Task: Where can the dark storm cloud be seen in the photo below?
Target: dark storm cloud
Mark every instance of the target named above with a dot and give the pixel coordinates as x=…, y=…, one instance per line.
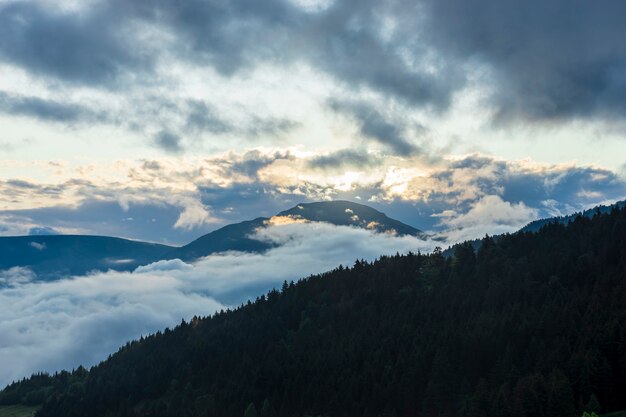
x=551, y=60
x=547, y=61
x=375, y=126
x=102, y=44
x=48, y=110
x=85, y=48
x=344, y=40
x=343, y=158
x=348, y=41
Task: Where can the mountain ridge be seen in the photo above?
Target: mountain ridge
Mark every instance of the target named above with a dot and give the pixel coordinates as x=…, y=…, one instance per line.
x=54, y=256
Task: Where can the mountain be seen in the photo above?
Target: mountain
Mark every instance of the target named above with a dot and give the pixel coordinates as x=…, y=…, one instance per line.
x=340, y=213
x=538, y=224
x=234, y=237
x=346, y=213
x=530, y=324
x=55, y=256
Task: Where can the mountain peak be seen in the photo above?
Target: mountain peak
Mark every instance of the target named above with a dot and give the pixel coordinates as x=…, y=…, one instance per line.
x=348, y=213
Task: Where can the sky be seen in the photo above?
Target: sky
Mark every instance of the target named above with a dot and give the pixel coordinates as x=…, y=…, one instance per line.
x=165, y=120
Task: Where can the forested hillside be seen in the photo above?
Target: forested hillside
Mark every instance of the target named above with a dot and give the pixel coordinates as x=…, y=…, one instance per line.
x=531, y=325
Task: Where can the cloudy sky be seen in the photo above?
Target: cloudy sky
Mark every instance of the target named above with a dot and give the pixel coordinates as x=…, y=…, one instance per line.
x=162, y=120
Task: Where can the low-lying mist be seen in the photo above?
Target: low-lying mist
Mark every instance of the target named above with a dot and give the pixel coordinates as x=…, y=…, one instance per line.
x=49, y=326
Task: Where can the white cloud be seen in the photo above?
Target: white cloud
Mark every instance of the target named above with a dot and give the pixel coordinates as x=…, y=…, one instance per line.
x=47, y=326
x=15, y=276
x=37, y=245
x=490, y=215
x=194, y=214
x=193, y=195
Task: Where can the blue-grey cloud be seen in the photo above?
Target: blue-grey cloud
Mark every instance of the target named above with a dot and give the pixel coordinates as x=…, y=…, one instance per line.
x=373, y=125
x=49, y=110
x=169, y=141
x=344, y=158
x=549, y=61
x=554, y=62
x=86, y=48
x=202, y=117
x=100, y=44
x=252, y=162
x=42, y=231
x=269, y=126
x=237, y=190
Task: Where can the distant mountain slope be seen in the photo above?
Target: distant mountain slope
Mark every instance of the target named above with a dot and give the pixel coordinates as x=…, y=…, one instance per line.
x=60, y=255
x=533, y=324
x=234, y=237
x=538, y=224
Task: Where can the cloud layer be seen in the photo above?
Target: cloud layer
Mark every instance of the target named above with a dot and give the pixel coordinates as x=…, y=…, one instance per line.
x=418, y=52
x=193, y=77
x=175, y=201
x=61, y=324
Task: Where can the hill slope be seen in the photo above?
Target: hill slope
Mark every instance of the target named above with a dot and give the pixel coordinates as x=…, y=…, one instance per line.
x=533, y=324
x=60, y=255
x=538, y=224
x=234, y=237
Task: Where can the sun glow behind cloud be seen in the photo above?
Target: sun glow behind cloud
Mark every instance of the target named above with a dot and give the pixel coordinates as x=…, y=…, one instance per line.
x=204, y=191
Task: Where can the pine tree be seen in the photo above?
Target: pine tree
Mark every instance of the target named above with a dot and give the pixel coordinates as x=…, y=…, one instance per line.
x=250, y=411
x=267, y=410
x=593, y=406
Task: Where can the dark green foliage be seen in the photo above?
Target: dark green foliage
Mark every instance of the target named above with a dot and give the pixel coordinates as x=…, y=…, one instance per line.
x=593, y=406
x=267, y=410
x=532, y=324
x=17, y=410
x=250, y=411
